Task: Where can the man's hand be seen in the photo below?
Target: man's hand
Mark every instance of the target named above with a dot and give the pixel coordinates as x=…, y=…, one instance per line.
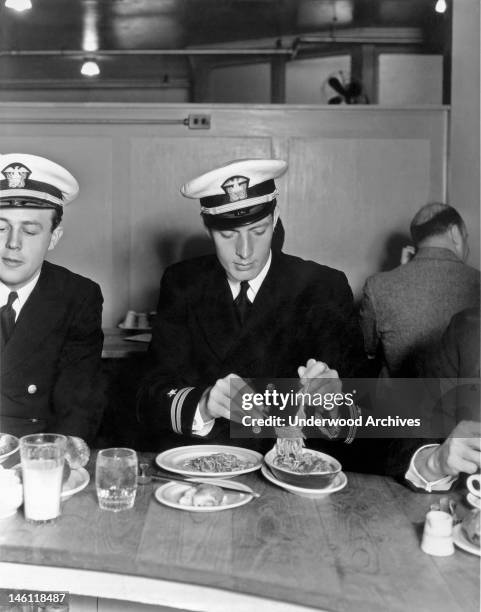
x=407, y=253
x=317, y=377
x=224, y=400
x=460, y=452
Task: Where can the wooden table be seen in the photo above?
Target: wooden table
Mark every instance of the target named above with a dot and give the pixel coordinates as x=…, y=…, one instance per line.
x=358, y=549
x=117, y=347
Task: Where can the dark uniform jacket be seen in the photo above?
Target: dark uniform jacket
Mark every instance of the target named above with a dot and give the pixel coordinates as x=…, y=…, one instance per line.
x=50, y=366
x=451, y=368
x=302, y=310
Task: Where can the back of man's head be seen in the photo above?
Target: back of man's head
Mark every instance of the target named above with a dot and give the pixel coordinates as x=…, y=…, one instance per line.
x=431, y=223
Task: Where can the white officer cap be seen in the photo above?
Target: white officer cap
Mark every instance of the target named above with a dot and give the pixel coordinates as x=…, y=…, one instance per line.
x=31, y=181
x=240, y=192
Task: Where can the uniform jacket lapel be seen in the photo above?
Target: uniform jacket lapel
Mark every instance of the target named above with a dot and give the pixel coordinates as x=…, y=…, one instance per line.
x=37, y=318
x=216, y=314
x=217, y=317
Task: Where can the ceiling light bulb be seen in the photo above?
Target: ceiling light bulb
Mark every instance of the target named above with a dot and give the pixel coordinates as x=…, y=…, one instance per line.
x=90, y=68
x=19, y=5
x=440, y=6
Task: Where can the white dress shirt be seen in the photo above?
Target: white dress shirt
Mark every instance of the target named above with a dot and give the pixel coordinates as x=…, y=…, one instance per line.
x=199, y=426
x=23, y=294
x=415, y=478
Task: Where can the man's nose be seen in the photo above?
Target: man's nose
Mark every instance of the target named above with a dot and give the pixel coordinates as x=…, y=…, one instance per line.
x=244, y=246
x=14, y=241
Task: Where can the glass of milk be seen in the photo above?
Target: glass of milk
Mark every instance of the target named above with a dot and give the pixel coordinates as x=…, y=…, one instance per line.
x=42, y=457
x=116, y=478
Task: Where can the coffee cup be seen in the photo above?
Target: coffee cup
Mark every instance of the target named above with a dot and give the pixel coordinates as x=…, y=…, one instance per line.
x=473, y=483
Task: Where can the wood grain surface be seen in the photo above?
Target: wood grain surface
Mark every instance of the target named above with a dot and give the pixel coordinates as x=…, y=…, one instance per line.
x=358, y=549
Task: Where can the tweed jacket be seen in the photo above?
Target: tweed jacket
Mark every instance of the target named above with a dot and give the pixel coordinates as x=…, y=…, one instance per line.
x=303, y=310
x=405, y=311
x=50, y=366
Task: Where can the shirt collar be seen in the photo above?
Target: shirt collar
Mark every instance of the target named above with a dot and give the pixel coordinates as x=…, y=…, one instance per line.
x=436, y=253
x=23, y=293
x=254, y=284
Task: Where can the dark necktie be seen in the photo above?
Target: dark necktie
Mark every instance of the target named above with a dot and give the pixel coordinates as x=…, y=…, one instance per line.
x=242, y=303
x=7, y=317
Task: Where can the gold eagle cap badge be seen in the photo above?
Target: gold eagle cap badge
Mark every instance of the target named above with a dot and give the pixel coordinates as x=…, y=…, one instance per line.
x=16, y=175
x=236, y=188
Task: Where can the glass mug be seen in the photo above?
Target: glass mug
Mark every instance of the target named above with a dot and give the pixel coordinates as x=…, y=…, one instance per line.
x=116, y=478
x=42, y=457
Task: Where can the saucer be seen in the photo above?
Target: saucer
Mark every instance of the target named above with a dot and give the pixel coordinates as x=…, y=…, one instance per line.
x=462, y=541
x=77, y=481
x=474, y=500
x=336, y=485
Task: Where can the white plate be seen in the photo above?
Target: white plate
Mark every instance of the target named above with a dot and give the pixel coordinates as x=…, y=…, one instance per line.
x=173, y=459
x=339, y=482
x=474, y=500
x=170, y=493
x=78, y=480
x=462, y=541
x=8, y=445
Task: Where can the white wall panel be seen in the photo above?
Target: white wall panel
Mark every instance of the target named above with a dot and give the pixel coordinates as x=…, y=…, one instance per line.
x=356, y=177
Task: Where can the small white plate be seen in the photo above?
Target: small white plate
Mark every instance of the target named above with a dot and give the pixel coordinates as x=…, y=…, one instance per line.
x=173, y=460
x=462, y=541
x=170, y=493
x=78, y=480
x=8, y=445
x=339, y=482
x=474, y=500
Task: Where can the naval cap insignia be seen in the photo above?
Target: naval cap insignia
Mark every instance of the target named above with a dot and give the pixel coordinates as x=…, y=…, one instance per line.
x=236, y=188
x=16, y=175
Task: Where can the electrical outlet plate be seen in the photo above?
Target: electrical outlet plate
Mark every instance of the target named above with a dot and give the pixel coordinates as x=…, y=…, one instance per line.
x=199, y=122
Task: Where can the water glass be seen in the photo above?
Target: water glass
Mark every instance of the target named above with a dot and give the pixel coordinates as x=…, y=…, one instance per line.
x=42, y=457
x=116, y=478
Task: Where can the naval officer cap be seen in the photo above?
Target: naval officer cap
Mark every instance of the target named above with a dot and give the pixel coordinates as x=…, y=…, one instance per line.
x=241, y=192
x=30, y=181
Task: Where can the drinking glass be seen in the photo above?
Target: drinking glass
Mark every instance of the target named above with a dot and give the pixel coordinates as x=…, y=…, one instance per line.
x=42, y=456
x=116, y=478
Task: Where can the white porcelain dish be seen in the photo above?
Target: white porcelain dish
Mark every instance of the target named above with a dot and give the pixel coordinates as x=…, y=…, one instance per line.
x=77, y=481
x=336, y=485
x=462, y=541
x=8, y=446
x=170, y=493
x=173, y=460
x=474, y=500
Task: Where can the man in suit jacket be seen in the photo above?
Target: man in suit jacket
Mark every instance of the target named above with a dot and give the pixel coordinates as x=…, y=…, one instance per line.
x=50, y=333
x=404, y=311
x=249, y=311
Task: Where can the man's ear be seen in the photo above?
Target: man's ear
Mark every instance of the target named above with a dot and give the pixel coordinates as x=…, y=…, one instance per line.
x=55, y=237
x=456, y=235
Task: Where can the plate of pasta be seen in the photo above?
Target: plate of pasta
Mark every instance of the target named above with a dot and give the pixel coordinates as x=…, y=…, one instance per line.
x=210, y=460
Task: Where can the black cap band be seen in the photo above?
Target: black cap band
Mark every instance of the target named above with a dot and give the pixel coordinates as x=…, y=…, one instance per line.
x=265, y=188
x=233, y=219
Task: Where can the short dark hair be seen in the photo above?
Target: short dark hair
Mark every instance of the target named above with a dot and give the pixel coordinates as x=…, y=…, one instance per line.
x=57, y=217
x=434, y=219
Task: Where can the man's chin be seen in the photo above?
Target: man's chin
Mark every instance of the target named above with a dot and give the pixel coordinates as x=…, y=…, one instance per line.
x=239, y=273
x=12, y=280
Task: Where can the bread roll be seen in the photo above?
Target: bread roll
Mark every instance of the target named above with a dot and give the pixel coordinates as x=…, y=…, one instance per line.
x=207, y=495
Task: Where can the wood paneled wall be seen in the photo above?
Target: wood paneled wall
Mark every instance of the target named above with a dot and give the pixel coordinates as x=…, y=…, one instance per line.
x=356, y=177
